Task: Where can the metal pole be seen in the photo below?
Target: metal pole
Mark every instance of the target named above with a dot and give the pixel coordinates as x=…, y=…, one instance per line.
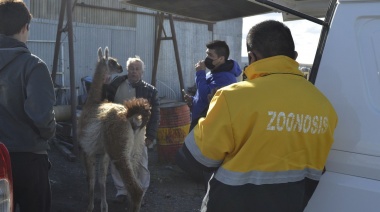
x=179, y=69
x=58, y=41
x=73, y=95
x=157, y=48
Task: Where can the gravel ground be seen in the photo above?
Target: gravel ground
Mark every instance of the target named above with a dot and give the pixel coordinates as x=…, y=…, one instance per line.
x=171, y=190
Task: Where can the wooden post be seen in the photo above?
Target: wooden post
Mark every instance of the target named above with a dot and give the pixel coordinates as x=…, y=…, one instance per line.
x=73, y=92
x=161, y=17
x=58, y=41
x=179, y=69
x=157, y=47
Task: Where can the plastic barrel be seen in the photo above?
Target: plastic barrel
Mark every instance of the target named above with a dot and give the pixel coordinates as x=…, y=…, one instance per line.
x=174, y=127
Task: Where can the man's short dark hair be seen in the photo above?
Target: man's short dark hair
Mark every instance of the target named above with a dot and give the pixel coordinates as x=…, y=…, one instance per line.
x=271, y=38
x=13, y=16
x=221, y=48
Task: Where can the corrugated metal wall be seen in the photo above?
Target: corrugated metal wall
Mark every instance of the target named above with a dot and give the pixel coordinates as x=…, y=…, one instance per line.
x=231, y=32
x=128, y=41
x=145, y=41
x=86, y=11
x=191, y=39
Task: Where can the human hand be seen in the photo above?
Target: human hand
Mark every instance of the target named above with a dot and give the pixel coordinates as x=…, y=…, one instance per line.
x=200, y=65
x=210, y=95
x=188, y=98
x=148, y=142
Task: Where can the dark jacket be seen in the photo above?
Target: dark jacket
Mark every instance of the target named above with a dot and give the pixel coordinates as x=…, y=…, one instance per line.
x=248, y=197
x=26, y=99
x=143, y=90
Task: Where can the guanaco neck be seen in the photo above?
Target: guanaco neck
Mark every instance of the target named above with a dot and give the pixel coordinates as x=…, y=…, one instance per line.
x=95, y=94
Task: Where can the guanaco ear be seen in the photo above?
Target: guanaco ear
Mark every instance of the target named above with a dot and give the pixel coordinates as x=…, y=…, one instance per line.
x=106, y=52
x=100, y=53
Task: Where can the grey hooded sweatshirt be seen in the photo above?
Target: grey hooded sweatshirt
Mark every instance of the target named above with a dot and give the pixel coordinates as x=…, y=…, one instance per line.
x=26, y=99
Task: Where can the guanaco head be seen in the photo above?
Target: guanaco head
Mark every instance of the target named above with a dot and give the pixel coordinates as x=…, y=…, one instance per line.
x=113, y=67
x=138, y=112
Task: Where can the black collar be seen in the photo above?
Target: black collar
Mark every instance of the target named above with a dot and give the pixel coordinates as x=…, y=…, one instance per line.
x=225, y=67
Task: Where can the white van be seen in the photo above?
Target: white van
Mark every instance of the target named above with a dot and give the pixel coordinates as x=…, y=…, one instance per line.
x=349, y=75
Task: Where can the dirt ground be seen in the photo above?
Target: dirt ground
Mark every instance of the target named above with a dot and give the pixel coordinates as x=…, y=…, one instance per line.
x=170, y=190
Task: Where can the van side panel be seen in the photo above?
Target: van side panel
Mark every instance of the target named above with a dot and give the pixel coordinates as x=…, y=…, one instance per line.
x=349, y=75
x=344, y=193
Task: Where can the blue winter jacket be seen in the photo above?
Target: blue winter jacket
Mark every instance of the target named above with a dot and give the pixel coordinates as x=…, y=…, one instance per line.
x=224, y=75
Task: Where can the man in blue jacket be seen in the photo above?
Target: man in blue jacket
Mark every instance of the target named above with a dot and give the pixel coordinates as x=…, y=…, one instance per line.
x=26, y=110
x=222, y=72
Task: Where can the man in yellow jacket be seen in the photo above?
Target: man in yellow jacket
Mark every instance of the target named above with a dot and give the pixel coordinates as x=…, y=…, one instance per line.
x=266, y=139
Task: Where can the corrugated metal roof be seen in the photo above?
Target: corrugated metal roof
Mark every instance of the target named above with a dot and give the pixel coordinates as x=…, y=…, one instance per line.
x=221, y=10
x=206, y=10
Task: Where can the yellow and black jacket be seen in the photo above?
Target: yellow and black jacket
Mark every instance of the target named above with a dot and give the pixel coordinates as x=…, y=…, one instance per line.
x=264, y=137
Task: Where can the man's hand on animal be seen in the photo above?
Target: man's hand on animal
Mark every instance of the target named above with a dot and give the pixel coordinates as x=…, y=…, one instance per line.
x=200, y=65
x=188, y=98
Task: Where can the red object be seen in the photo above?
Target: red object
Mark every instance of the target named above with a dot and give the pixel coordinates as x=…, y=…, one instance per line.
x=6, y=185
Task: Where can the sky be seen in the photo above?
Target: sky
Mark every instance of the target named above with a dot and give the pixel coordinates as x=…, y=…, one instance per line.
x=305, y=34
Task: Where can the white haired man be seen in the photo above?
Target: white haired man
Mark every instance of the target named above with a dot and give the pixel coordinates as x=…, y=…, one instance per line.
x=127, y=87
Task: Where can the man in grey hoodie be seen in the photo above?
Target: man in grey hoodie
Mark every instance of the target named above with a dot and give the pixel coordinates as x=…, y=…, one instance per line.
x=26, y=110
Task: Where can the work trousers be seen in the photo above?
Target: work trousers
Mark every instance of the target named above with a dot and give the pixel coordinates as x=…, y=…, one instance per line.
x=31, y=185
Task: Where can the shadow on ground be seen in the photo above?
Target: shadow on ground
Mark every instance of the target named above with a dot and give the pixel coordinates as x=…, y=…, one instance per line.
x=170, y=190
